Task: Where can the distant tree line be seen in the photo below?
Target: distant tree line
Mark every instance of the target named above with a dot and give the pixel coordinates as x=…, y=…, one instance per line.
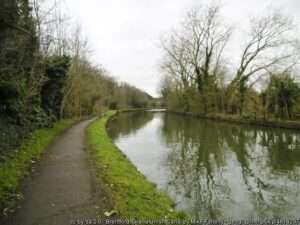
x=198, y=78
x=45, y=72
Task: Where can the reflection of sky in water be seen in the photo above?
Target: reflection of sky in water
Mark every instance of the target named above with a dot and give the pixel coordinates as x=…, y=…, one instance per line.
x=217, y=170
x=147, y=151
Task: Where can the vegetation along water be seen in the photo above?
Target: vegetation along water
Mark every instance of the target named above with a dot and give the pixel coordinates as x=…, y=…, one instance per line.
x=212, y=169
x=207, y=65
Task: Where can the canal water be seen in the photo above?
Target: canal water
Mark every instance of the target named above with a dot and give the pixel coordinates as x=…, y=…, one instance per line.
x=214, y=170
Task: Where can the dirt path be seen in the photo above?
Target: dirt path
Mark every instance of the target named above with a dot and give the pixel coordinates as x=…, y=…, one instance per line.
x=62, y=188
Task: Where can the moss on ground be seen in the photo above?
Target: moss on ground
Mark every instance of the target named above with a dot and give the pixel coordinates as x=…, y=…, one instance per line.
x=133, y=196
x=19, y=163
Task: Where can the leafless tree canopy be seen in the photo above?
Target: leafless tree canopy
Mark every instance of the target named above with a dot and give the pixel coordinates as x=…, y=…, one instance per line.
x=195, y=60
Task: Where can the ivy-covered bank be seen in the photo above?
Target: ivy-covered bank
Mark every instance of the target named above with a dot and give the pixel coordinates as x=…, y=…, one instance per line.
x=18, y=164
x=133, y=196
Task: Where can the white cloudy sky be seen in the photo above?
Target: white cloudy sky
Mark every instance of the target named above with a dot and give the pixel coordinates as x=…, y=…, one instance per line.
x=124, y=34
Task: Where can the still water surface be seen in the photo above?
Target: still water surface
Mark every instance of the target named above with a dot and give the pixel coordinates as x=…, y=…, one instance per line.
x=214, y=170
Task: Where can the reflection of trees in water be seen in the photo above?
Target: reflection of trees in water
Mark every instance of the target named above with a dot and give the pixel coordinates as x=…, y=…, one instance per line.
x=194, y=161
x=128, y=123
x=243, y=142
x=201, y=151
x=276, y=171
x=285, y=148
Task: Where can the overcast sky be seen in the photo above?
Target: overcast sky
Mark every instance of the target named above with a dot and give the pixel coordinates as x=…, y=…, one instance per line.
x=125, y=34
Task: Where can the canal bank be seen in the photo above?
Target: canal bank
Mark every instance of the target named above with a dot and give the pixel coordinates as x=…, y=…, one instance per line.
x=133, y=196
x=236, y=119
x=214, y=170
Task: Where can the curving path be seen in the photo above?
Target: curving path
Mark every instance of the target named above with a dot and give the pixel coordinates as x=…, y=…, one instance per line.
x=62, y=188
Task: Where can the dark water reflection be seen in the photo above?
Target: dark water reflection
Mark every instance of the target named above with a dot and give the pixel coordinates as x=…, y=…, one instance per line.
x=215, y=170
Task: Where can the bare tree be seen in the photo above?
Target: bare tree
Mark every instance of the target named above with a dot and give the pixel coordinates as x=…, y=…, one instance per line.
x=176, y=61
x=206, y=40
x=195, y=53
x=79, y=65
x=270, y=44
x=51, y=27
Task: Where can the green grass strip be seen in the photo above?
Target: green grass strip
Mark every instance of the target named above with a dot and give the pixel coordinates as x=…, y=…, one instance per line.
x=133, y=196
x=19, y=164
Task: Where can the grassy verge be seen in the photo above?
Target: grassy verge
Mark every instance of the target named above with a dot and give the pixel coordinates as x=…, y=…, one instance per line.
x=133, y=196
x=18, y=164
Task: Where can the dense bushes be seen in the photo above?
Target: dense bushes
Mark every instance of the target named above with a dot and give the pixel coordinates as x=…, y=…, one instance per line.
x=282, y=96
x=19, y=71
x=52, y=89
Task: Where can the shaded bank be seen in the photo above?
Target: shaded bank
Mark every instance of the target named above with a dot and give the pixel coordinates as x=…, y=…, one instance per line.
x=132, y=194
x=237, y=119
